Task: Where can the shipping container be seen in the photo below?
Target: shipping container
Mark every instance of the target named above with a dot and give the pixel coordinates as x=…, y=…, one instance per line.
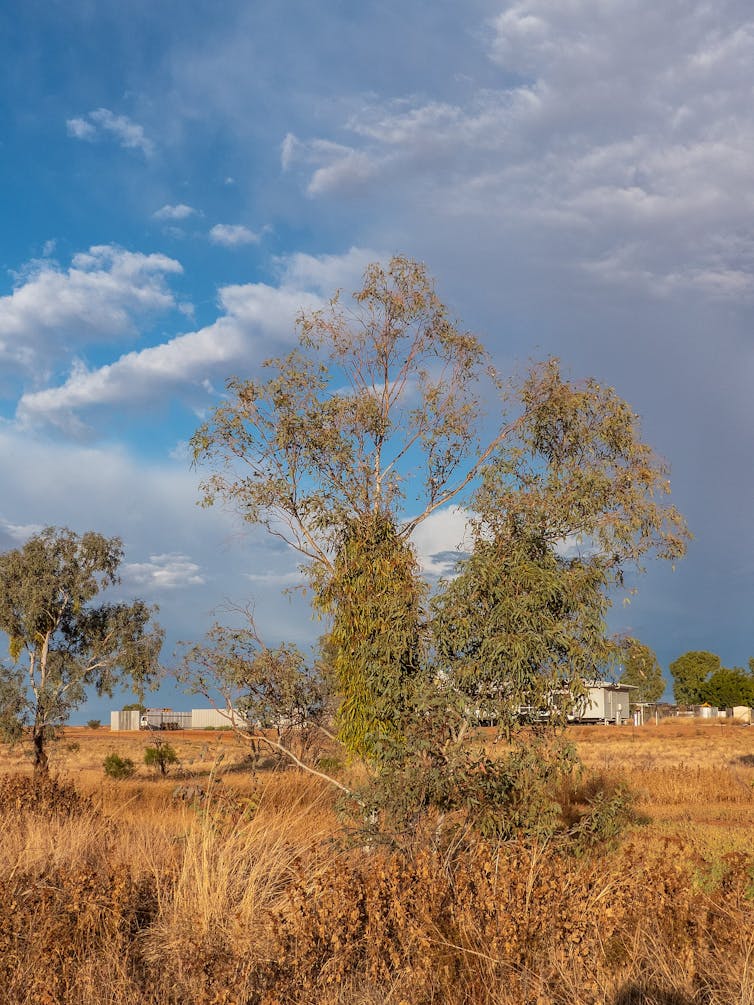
x=215, y=718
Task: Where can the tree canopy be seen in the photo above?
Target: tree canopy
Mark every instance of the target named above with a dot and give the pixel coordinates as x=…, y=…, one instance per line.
x=641, y=669
x=727, y=688
x=690, y=671
x=60, y=642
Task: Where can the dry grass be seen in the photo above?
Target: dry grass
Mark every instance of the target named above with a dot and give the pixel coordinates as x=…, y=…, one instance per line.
x=132, y=897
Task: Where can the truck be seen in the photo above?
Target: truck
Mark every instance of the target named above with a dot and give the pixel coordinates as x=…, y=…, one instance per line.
x=164, y=718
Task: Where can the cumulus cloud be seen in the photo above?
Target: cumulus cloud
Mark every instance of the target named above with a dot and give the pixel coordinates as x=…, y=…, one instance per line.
x=129, y=134
x=232, y=235
x=163, y=572
x=100, y=297
x=255, y=320
x=179, y=212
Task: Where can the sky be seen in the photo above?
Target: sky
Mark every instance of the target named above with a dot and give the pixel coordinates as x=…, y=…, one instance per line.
x=180, y=179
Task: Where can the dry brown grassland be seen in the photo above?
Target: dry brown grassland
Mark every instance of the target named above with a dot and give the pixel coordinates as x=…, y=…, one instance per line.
x=118, y=892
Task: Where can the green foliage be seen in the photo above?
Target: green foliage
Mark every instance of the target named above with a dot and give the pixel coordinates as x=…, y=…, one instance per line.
x=690, y=673
x=727, y=688
x=160, y=757
x=135, y=706
x=610, y=810
x=374, y=597
x=118, y=767
x=94, y=723
x=641, y=669
x=67, y=642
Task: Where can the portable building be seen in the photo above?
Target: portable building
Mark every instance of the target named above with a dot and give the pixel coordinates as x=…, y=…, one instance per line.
x=605, y=702
x=741, y=712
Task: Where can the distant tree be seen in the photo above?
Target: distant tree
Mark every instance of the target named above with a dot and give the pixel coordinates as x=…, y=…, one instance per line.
x=641, y=669
x=94, y=723
x=690, y=673
x=727, y=688
x=60, y=643
x=160, y=757
x=135, y=706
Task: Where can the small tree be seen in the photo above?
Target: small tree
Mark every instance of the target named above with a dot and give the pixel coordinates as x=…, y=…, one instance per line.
x=641, y=670
x=118, y=767
x=690, y=673
x=160, y=757
x=93, y=724
x=60, y=642
x=270, y=695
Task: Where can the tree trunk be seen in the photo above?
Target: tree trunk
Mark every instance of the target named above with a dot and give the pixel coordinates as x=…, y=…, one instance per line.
x=41, y=761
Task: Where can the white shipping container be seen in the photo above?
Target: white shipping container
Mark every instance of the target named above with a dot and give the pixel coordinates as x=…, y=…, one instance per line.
x=120, y=721
x=214, y=718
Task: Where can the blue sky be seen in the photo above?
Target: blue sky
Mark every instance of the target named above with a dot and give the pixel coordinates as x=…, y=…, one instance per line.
x=179, y=179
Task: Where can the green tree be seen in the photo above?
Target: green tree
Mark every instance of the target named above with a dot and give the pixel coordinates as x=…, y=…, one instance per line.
x=727, y=688
x=641, y=669
x=690, y=673
x=373, y=423
x=60, y=642
x=160, y=757
x=565, y=505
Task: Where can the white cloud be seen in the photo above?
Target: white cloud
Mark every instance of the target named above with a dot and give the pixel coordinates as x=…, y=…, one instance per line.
x=256, y=320
x=179, y=212
x=186, y=558
x=327, y=273
x=336, y=167
x=163, y=572
x=19, y=532
x=441, y=540
x=80, y=129
x=100, y=297
x=128, y=133
x=232, y=235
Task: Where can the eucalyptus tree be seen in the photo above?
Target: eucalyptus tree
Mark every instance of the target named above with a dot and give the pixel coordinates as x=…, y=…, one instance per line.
x=374, y=422
x=642, y=670
x=375, y=415
x=60, y=642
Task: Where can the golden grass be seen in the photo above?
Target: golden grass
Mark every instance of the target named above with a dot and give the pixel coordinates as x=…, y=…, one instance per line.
x=251, y=897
